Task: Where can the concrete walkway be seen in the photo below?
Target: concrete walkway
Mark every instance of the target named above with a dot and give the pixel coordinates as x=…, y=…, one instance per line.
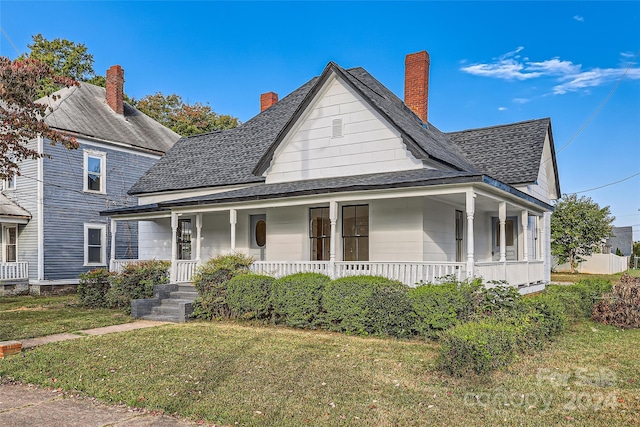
x=22, y=405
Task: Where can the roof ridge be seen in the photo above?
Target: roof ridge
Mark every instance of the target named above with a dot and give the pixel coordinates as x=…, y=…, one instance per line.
x=499, y=126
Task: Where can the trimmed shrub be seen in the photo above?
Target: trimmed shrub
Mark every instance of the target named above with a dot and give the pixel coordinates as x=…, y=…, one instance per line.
x=477, y=347
x=553, y=318
x=248, y=296
x=580, y=297
x=93, y=287
x=472, y=297
x=500, y=298
x=211, y=281
x=368, y=305
x=436, y=307
x=296, y=299
x=136, y=282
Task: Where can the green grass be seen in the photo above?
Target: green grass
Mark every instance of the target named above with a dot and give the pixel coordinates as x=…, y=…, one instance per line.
x=34, y=316
x=576, y=277
x=227, y=373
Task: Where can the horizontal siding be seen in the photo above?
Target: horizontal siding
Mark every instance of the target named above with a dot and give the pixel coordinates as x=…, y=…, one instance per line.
x=67, y=208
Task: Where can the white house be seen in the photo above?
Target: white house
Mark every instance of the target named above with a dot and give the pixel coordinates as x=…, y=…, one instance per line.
x=342, y=177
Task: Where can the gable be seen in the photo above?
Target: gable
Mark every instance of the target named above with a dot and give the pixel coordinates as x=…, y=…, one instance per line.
x=339, y=134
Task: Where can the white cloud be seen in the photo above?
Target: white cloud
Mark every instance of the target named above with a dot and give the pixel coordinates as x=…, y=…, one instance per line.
x=627, y=54
x=521, y=100
x=570, y=77
x=502, y=108
x=579, y=18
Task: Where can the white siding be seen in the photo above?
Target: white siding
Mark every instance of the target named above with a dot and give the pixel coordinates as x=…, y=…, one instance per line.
x=368, y=145
x=154, y=239
x=544, y=189
x=216, y=235
x=482, y=235
x=288, y=234
x=396, y=230
x=439, y=231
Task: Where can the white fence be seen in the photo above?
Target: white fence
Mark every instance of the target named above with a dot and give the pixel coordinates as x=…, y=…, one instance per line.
x=598, y=264
x=14, y=271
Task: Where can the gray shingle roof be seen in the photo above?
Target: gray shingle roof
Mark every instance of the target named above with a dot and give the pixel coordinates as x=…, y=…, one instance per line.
x=11, y=209
x=510, y=153
x=84, y=111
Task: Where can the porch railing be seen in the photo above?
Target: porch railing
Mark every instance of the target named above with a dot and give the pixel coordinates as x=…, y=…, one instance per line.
x=14, y=271
x=117, y=265
x=409, y=273
x=515, y=273
x=185, y=270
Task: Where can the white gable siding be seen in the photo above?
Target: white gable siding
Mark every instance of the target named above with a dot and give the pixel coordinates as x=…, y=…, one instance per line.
x=544, y=189
x=368, y=145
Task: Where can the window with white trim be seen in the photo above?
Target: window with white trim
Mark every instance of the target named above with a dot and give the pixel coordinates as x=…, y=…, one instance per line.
x=9, y=184
x=10, y=238
x=95, y=244
x=95, y=177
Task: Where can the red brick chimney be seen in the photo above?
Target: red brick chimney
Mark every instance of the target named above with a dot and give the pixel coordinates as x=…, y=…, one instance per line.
x=267, y=100
x=115, y=87
x=416, y=83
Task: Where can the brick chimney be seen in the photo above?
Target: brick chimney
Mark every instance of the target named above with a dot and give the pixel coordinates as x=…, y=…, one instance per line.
x=416, y=83
x=267, y=100
x=115, y=87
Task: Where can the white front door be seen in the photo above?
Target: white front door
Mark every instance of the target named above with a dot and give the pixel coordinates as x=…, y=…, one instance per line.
x=511, y=238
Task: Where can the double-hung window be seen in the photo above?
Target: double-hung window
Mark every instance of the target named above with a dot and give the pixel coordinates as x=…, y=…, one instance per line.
x=9, y=184
x=10, y=243
x=355, y=232
x=95, y=178
x=319, y=234
x=95, y=244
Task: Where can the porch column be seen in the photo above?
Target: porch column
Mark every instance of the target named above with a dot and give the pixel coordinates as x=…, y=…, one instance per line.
x=174, y=246
x=113, y=244
x=233, y=219
x=470, y=208
x=502, y=216
x=198, y=236
x=333, y=218
x=546, y=246
x=525, y=235
x=539, y=248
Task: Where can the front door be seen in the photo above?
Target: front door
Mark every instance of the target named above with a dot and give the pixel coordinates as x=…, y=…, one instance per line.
x=258, y=243
x=511, y=238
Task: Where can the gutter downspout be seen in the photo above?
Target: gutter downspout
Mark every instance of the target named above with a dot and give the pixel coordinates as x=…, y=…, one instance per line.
x=40, y=210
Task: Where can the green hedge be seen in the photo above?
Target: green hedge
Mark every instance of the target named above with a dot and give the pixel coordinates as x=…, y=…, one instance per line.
x=93, y=287
x=211, y=281
x=136, y=282
x=296, y=300
x=368, y=305
x=436, y=307
x=248, y=296
x=478, y=347
x=580, y=297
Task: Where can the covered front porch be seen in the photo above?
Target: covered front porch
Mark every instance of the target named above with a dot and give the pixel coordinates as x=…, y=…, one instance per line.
x=412, y=235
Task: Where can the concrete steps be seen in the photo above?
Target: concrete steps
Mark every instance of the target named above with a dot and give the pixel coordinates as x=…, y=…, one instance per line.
x=170, y=303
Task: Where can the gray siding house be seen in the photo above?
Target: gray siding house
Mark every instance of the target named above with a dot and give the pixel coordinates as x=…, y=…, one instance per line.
x=51, y=227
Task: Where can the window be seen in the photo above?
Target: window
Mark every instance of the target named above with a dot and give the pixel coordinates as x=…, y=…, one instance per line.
x=355, y=232
x=94, y=171
x=184, y=239
x=95, y=244
x=459, y=236
x=10, y=244
x=319, y=233
x=9, y=184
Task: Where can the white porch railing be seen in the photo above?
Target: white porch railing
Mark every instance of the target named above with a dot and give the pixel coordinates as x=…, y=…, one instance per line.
x=408, y=273
x=117, y=265
x=185, y=269
x=515, y=273
x=14, y=271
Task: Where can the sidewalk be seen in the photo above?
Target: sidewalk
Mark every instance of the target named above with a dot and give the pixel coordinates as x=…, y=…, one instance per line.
x=22, y=405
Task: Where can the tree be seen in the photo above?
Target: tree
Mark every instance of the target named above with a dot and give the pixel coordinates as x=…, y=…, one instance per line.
x=21, y=119
x=183, y=118
x=578, y=226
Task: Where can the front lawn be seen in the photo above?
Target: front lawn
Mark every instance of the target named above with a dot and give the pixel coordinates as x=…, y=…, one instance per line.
x=576, y=277
x=35, y=316
x=227, y=373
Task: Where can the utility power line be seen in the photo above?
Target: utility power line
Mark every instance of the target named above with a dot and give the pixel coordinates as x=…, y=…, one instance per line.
x=606, y=185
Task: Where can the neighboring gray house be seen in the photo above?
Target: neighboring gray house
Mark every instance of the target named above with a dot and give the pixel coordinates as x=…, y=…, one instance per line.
x=622, y=238
x=51, y=227
x=342, y=177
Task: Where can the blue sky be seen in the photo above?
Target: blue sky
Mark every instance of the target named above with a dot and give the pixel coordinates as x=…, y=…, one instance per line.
x=491, y=63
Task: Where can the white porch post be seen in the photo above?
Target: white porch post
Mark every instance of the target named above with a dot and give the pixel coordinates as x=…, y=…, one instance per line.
x=198, y=236
x=113, y=244
x=546, y=246
x=470, y=208
x=525, y=235
x=233, y=219
x=333, y=218
x=502, y=216
x=540, y=229
x=174, y=246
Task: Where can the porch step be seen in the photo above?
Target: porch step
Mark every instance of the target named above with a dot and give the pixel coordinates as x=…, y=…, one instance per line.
x=171, y=303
